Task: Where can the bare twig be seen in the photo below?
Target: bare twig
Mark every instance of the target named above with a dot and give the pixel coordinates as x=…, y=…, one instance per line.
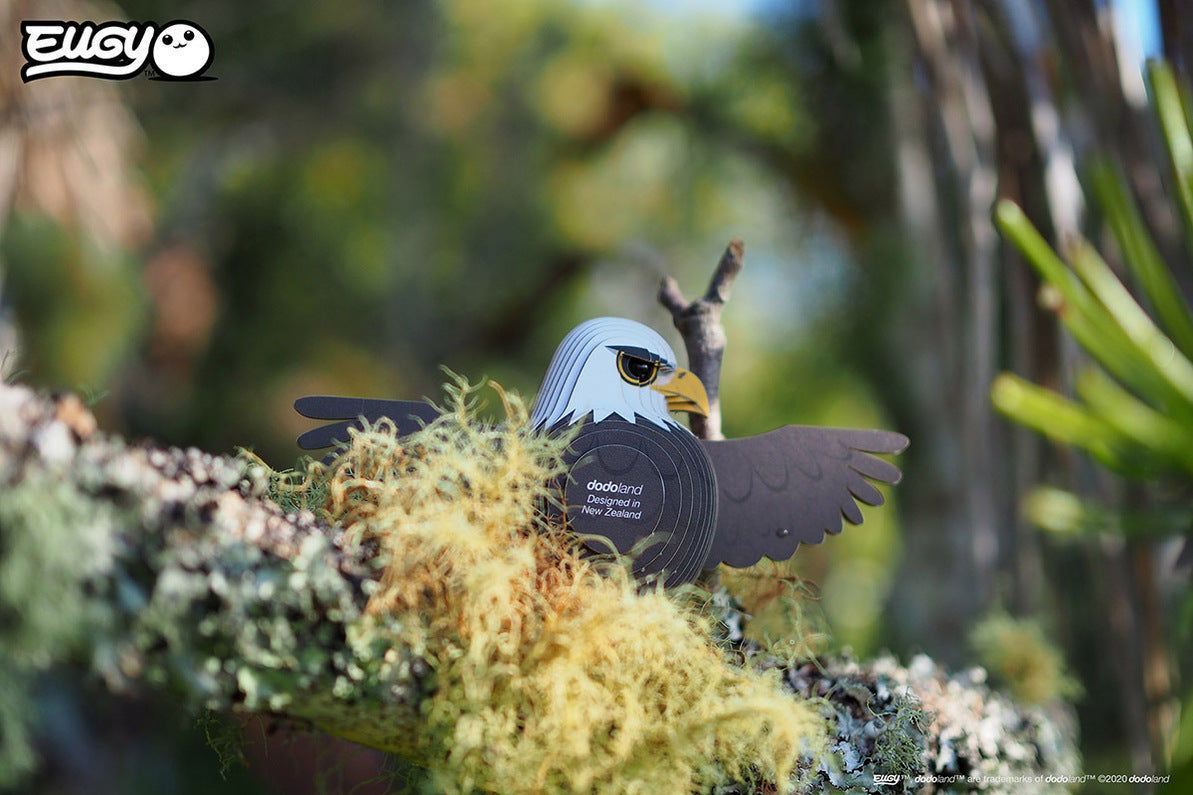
x=699, y=323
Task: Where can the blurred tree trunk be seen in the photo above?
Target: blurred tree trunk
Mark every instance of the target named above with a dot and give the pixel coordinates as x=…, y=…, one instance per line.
x=1013, y=95
x=1176, y=28
x=959, y=123
x=66, y=151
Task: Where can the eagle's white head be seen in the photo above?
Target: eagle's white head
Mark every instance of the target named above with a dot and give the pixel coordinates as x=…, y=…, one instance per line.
x=613, y=366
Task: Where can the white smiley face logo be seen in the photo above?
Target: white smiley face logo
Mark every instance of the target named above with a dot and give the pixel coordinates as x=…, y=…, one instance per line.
x=181, y=50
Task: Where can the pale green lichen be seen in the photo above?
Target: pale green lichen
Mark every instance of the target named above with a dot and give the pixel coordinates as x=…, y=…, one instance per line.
x=969, y=737
x=169, y=567
x=899, y=747
x=54, y=549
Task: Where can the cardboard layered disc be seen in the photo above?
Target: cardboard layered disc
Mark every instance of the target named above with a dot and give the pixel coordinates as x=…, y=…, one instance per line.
x=634, y=481
x=615, y=492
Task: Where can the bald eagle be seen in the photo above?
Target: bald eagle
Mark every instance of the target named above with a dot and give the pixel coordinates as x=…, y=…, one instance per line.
x=640, y=480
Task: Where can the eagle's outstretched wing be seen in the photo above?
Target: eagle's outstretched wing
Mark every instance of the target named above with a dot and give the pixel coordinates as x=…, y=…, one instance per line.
x=407, y=415
x=791, y=486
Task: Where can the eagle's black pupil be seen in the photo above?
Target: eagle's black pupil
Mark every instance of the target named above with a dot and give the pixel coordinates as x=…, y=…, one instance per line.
x=639, y=369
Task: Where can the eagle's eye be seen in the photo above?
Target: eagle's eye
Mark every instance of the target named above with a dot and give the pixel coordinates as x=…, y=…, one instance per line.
x=636, y=371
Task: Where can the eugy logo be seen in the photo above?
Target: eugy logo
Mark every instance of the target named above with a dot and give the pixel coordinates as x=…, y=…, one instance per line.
x=180, y=50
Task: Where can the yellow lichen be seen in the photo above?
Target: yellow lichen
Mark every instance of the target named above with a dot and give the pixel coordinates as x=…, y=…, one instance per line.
x=553, y=670
x=1018, y=653
x=785, y=616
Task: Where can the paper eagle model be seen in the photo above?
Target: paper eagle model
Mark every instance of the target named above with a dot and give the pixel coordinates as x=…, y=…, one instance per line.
x=634, y=471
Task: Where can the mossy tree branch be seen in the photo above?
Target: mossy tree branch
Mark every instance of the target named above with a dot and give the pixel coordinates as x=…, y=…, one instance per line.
x=171, y=567
x=160, y=567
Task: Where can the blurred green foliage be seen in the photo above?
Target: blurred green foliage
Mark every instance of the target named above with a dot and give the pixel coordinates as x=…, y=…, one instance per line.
x=1134, y=406
x=1135, y=413
x=368, y=191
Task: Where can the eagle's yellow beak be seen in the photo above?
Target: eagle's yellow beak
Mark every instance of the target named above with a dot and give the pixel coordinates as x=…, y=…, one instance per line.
x=684, y=392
